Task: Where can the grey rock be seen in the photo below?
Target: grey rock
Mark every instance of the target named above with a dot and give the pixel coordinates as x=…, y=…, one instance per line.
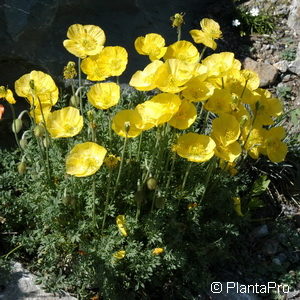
x=270, y=247
x=294, y=17
x=294, y=67
x=260, y=231
x=293, y=295
x=282, y=66
x=22, y=287
x=266, y=72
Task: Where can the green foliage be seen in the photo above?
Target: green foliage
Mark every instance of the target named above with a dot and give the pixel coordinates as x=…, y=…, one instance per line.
x=262, y=23
x=289, y=54
x=284, y=92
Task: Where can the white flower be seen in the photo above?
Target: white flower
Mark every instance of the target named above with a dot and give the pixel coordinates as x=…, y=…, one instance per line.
x=236, y=23
x=254, y=12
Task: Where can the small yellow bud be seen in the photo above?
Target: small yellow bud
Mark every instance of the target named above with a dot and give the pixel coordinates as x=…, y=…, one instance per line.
x=151, y=183
x=157, y=251
x=39, y=130
x=17, y=125
x=69, y=70
x=177, y=19
x=90, y=115
x=22, y=167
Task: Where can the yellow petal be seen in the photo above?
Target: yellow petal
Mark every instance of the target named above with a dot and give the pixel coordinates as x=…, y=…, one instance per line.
x=120, y=220
x=126, y=123
x=66, y=122
x=183, y=50
x=195, y=147
x=185, y=116
x=104, y=95
x=85, y=159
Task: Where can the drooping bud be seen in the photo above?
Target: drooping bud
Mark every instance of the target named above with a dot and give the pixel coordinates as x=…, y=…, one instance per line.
x=90, y=115
x=17, y=125
x=74, y=101
x=23, y=143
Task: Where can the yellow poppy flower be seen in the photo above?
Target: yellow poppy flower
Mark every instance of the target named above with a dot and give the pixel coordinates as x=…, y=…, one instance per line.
x=158, y=110
x=104, y=95
x=230, y=152
x=209, y=33
x=183, y=50
x=220, y=102
x=85, y=159
x=276, y=150
x=40, y=115
x=111, y=61
x=185, y=116
x=266, y=108
x=219, y=64
x=198, y=90
x=145, y=80
x=119, y=254
x=7, y=94
x=226, y=129
x=253, y=140
x=37, y=86
x=151, y=44
x=157, y=251
x=173, y=74
x=84, y=40
x=65, y=122
x=195, y=147
x=120, y=220
x=127, y=123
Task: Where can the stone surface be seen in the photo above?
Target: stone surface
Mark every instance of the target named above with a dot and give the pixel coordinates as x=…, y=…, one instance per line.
x=22, y=287
x=282, y=66
x=294, y=17
x=266, y=72
x=294, y=67
x=260, y=231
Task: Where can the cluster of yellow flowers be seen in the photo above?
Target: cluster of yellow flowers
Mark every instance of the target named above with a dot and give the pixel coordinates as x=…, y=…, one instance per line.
x=243, y=111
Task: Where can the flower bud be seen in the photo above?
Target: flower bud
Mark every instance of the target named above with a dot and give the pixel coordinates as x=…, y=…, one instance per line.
x=90, y=115
x=22, y=167
x=23, y=143
x=74, y=101
x=46, y=142
x=151, y=183
x=17, y=125
x=39, y=130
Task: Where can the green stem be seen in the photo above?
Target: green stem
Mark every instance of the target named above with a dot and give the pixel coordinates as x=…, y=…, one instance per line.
x=14, y=125
x=171, y=170
x=139, y=147
x=12, y=251
x=202, y=53
x=121, y=165
x=178, y=33
x=209, y=173
x=186, y=175
x=48, y=139
x=106, y=200
x=94, y=201
x=79, y=83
